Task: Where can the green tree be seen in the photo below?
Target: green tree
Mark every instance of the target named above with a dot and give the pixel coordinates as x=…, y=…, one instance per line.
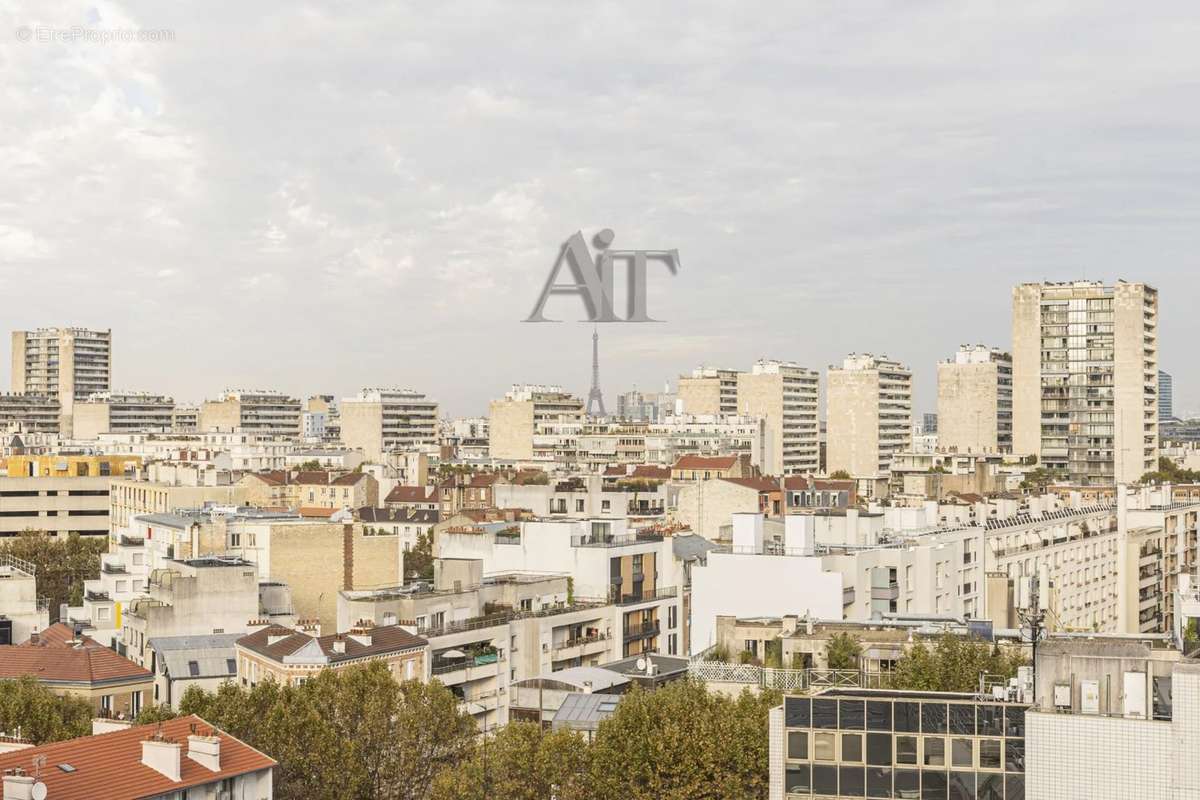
x=521, y=762
x=1170, y=472
x=839, y=475
x=953, y=664
x=39, y=715
x=312, y=465
x=62, y=563
x=158, y=712
x=418, y=562
x=682, y=742
x=842, y=651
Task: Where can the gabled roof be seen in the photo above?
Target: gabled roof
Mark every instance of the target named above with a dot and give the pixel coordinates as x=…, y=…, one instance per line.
x=110, y=765
x=54, y=659
x=384, y=640
x=410, y=494
x=705, y=462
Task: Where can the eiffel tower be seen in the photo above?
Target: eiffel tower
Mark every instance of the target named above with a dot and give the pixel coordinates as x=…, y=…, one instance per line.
x=595, y=406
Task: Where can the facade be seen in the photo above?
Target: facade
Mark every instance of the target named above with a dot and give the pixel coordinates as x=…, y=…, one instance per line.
x=180, y=758
x=674, y=437
x=379, y=421
x=709, y=391
x=22, y=612
x=536, y=423
x=63, y=364
x=1085, y=379
x=181, y=662
x=1166, y=397
x=868, y=415
x=164, y=490
x=29, y=413
x=60, y=494
x=975, y=401
x=872, y=743
x=185, y=419
x=123, y=412
x=784, y=395
x=265, y=413
x=295, y=489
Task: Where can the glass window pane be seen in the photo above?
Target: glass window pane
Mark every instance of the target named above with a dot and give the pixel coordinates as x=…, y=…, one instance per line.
x=962, y=786
x=989, y=754
x=906, y=750
x=823, y=744
x=962, y=752
x=1014, y=787
x=879, y=749
x=933, y=785
x=879, y=715
x=991, y=720
x=879, y=782
x=797, y=712
x=1014, y=755
x=989, y=786
x=962, y=719
x=824, y=779
x=852, y=714
x=854, y=783
x=907, y=717
x=852, y=748
x=797, y=745
x=825, y=713
x=935, y=751
x=908, y=784
x=933, y=717
x=1014, y=722
x=797, y=779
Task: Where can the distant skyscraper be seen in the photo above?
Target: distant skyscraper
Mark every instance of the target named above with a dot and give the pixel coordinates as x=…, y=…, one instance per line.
x=1085, y=378
x=785, y=396
x=975, y=401
x=64, y=364
x=1166, y=397
x=868, y=408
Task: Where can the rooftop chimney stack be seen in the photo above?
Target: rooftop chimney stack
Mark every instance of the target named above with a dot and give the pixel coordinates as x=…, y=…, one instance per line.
x=18, y=785
x=205, y=751
x=162, y=756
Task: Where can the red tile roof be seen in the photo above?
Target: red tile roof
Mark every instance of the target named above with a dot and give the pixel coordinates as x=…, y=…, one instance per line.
x=410, y=494
x=317, y=513
x=109, y=766
x=54, y=659
x=705, y=462
x=758, y=484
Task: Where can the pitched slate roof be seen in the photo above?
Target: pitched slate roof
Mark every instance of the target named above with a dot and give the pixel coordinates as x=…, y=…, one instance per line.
x=410, y=494
x=384, y=640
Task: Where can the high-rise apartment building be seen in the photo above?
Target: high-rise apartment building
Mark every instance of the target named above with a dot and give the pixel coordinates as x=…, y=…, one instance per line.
x=386, y=420
x=1166, y=397
x=709, y=391
x=30, y=413
x=784, y=395
x=975, y=401
x=123, y=412
x=265, y=413
x=63, y=364
x=535, y=423
x=868, y=414
x=1085, y=378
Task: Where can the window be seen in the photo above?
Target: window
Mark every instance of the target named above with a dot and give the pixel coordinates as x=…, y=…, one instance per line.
x=672, y=616
x=991, y=720
x=907, y=717
x=989, y=754
x=579, y=506
x=852, y=747
x=853, y=782
x=962, y=719
x=962, y=753
x=879, y=782
x=962, y=786
x=879, y=749
x=672, y=644
x=135, y=703
x=933, y=785
x=851, y=714
x=797, y=779
x=935, y=751
x=194, y=669
x=106, y=702
x=824, y=713
x=797, y=712
x=879, y=715
x=933, y=718
x=824, y=779
x=605, y=507
x=797, y=745
x=823, y=747
x=906, y=750
x=1014, y=755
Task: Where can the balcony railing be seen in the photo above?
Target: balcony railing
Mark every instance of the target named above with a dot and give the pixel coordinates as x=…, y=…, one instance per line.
x=662, y=593
x=580, y=641
x=620, y=540
x=113, y=569
x=96, y=596
x=643, y=631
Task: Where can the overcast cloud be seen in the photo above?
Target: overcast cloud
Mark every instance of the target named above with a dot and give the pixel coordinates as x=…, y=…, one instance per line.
x=317, y=199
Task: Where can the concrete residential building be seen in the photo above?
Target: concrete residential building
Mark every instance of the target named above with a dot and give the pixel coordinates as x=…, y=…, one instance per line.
x=784, y=395
x=709, y=391
x=975, y=401
x=21, y=610
x=29, y=413
x=183, y=757
x=165, y=489
x=123, y=412
x=535, y=423
x=185, y=418
x=265, y=413
x=60, y=494
x=1085, y=378
x=63, y=364
x=868, y=414
x=379, y=421
x=181, y=662
x=1166, y=397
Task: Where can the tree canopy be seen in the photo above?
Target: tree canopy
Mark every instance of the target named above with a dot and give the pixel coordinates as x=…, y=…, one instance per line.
x=842, y=651
x=953, y=664
x=1170, y=472
x=39, y=715
x=62, y=562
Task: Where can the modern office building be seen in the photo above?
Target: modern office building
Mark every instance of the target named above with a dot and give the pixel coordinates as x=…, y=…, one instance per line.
x=123, y=412
x=852, y=743
x=266, y=413
x=63, y=364
x=868, y=414
x=379, y=421
x=975, y=401
x=536, y=423
x=1085, y=379
x=709, y=391
x=1166, y=397
x=784, y=395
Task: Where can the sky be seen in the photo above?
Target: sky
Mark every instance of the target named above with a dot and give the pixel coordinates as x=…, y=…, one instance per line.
x=322, y=197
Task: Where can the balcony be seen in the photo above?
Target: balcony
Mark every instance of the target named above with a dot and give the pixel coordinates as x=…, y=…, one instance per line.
x=648, y=596
x=642, y=631
x=580, y=646
x=113, y=569
x=96, y=596
x=889, y=592
x=622, y=540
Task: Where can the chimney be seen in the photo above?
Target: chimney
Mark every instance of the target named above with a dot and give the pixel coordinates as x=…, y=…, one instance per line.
x=162, y=757
x=18, y=785
x=339, y=645
x=33, y=637
x=205, y=751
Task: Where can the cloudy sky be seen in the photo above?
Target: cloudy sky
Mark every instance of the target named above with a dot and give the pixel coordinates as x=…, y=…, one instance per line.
x=288, y=195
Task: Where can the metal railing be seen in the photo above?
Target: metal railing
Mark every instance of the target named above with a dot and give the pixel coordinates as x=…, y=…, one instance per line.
x=786, y=680
x=580, y=641
x=649, y=595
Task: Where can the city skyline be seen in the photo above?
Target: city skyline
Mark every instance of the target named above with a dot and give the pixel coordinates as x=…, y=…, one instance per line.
x=917, y=165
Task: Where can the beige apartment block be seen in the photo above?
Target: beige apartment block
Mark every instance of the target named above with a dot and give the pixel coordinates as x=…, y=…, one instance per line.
x=63, y=364
x=185, y=419
x=132, y=496
x=379, y=421
x=784, y=394
x=29, y=413
x=1085, y=378
x=123, y=412
x=709, y=391
x=975, y=401
x=535, y=423
x=310, y=489
x=260, y=412
x=868, y=414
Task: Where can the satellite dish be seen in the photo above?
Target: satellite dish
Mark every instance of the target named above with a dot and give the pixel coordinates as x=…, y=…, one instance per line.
x=641, y=664
x=39, y=791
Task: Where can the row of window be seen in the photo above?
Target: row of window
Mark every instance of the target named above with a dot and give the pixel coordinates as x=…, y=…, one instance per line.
x=885, y=749
x=882, y=782
x=901, y=716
